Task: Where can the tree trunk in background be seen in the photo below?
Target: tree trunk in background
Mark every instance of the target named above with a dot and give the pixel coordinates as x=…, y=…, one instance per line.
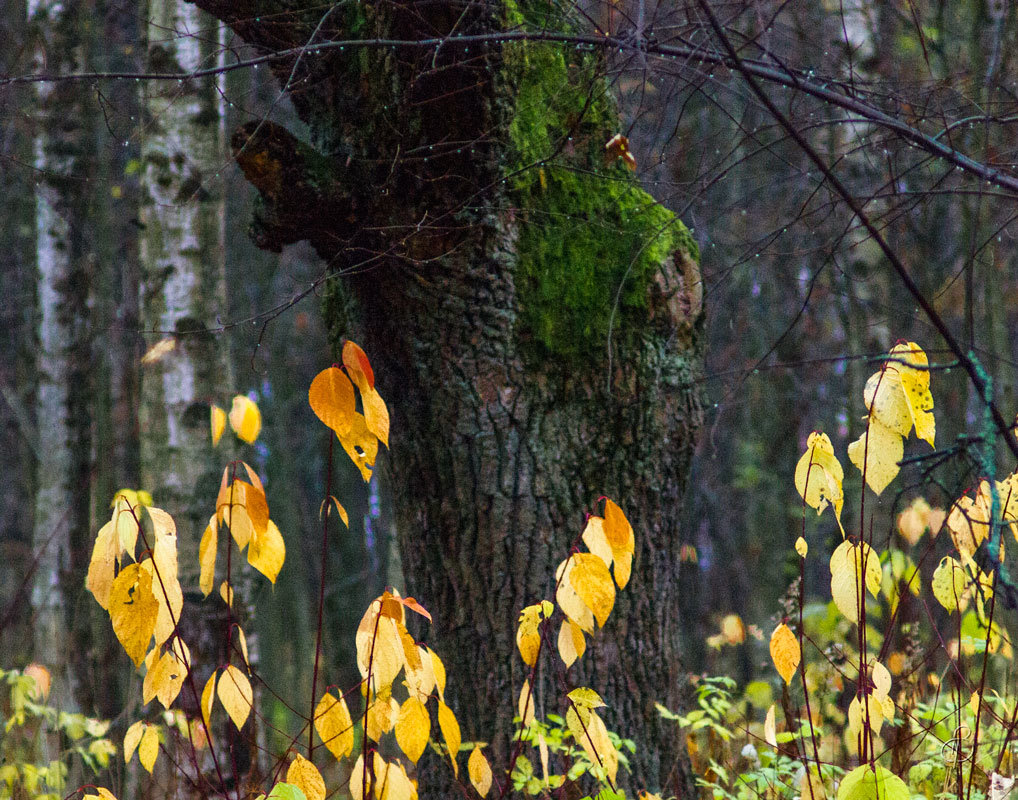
x=17, y=343
x=485, y=305
x=183, y=295
x=64, y=157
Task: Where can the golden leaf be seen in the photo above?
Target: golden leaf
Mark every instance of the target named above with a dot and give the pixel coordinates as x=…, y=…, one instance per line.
x=785, y=652
x=207, y=556
x=619, y=534
x=876, y=453
x=159, y=350
x=818, y=476
x=915, y=384
x=102, y=566
x=334, y=726
x=413, y=727
x=450, y=732
x=356, y=362
x=131, y=739
x=571, y=644
x=771, y=728
x=569, y=600
x=376, y=415
x=217, y=422
x=267, y=552
x=801, y=547
x=103, y=794
x=306, y=777
x=479, y=771
x=847, y=579
x=208, y=694
x=379, y=646
x=235, y=694
x=525, y=705
x=950, y=584
x=528, y=636
x=593, y=583
x=361, y=445
x=332, y=399
x=148, y=749
x=438, y=669
x=245, y=418
x=133, y=610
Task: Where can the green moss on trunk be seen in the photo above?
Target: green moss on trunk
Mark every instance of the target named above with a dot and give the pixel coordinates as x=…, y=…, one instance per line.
x=590, y=239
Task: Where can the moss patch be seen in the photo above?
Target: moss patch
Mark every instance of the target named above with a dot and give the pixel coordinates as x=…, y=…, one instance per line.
x=588, y=234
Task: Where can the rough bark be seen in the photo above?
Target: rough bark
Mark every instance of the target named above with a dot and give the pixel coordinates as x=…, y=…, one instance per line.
x=496, y=262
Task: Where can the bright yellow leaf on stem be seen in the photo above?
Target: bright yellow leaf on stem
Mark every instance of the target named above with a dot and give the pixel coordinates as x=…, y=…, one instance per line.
x=102, y=566
x=133, y=611
x=361, y=445
x=569, y=600
x=593, y=583
x=164, y=680
x=306, y=777
x=235, y=694
x=590, y=733
x=876, y=454
x=207, y=556
x=267, y=552
x=148, y=748
x=801, y=547
x=479, y=771
x=620, y=537
x=771, y=728
x=525, y=705
x=848, y=582
x=450, y=732
x=528, y=636
x=919, y=517
x=785, y=652
x=950, y=584
x=103, y=794
x=245, y=418
x=413, y=727
x=332, y=399
x=438, y=668
x=571, y=644
x=339, y=510
x=217, y=422
x=334, y=725
x=376, y=415
x=818, y=476
x=915, y=384
x=969, y=521
x=131, y=739
x=208, y=694
x=379, y=647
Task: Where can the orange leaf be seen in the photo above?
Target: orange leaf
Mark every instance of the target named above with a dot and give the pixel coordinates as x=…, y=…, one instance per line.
x=356, y=362
x=332, y=399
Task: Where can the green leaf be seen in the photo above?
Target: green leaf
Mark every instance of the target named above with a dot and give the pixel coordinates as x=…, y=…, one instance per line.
x=286, y=791
x=862, y=783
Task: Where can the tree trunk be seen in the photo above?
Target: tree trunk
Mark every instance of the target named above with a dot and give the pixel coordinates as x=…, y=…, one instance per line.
x=183, y=296
x=64, y=154
x=532, y=315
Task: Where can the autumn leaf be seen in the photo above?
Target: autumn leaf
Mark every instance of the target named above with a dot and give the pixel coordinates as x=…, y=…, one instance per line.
x=148, y=748
x=450, y=732
x=133, y=611
x=919, y=517
x=438, y=668
x=356, y=362
x=950, y=584
x=847, y=565
x=479, y=771
x=235, y=694
x=915, y=383
x=245, y=418
x=571, y=644
x=103, y=794
x=332, y=399
x=207, y=556
x=306, y=777
x=771, y=728
x=413, y=727
x=379, y=646
x=334, y=725
x=876, y=454
x=785, y=652
x=878, y=783
x=528, y=636
x=525, y=704
x=618, y=147
x=217, y=422
x=267, y=551
x=619, y=534
x=591, y=734
x=818, y=476
x=159, y=350
x=801, y=547
x=589, y=576
x=208, y=694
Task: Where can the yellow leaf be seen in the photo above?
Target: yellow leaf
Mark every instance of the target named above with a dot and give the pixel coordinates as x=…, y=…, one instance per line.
x=207, y=555
x=332, y=399
x=771, y=728
x=42, y=679
x=569, y=600
x=379, y=647
x=148, y=749
x=159, y=350
x=267, y=552
x=619, y=534
x=785, y=652
x=597, y=541
x=102, y=566
x=235, y=695
x=217, y=422
x=528, y=636
x=164, y=679
x=438, y=668
x=242, y=641
x=306, y=777
x=571, y=644
x=334, y=726
x=525, y=705
x=801, y=547
x=376, y=415
x=950, y=584
x=846, y=571
x=382, y=714
x=361, y=445
x=131, y=739
x=590, y=733
x=133, y=610
x=885, y=400
x=413, y=727
x=969, y=521
x=917, y=518
x=103, y=794
x=245, y=418
x=915, y=384
x=420, y=678
x=876, y=453
x=339, y=510
x=450, y=732
x=818, y=476
x=593, y=583
x=207, y=696
x=479, y=771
